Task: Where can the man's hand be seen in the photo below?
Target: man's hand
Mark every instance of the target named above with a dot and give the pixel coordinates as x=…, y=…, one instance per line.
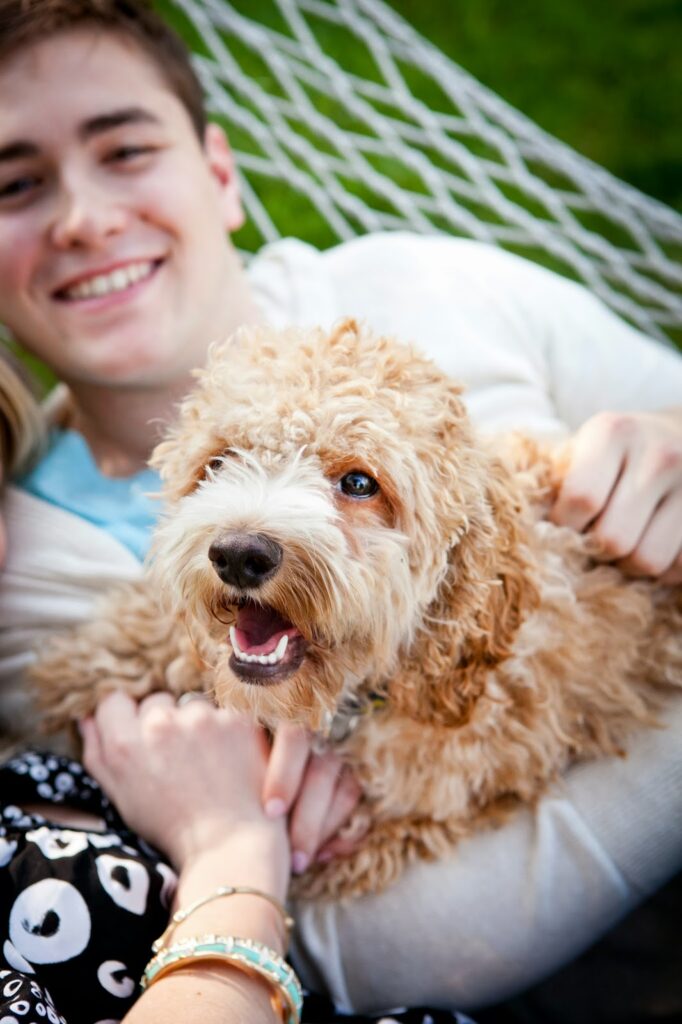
x=624, y=485
x=317, y=791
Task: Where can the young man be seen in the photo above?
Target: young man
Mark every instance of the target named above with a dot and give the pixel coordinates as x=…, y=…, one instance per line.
x=116, y=268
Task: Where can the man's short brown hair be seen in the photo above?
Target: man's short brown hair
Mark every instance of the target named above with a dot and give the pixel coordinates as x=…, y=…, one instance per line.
x=24, y=22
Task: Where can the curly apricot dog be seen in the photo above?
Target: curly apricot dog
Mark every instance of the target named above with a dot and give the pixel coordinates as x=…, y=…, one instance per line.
x=338, y=549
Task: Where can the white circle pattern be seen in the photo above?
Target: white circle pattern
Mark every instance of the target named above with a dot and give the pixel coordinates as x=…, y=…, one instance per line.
x=126, y=881
x=49, y=922
x=121, y=986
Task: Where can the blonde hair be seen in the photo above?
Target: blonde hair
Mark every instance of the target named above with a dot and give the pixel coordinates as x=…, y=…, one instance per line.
x=22, y=429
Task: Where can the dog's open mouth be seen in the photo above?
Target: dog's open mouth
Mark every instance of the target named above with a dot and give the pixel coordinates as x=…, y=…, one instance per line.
x=265, y=646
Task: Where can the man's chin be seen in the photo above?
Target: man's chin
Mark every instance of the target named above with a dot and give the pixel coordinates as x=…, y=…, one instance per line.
x=135, y=367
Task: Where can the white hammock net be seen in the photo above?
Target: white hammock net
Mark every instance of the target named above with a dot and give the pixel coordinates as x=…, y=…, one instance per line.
x=356, y=123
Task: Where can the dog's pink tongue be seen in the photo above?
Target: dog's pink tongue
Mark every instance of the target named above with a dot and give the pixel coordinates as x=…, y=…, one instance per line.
x=259, y=629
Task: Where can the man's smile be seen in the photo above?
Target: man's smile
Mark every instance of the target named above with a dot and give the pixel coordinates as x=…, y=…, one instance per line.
x=98, y=284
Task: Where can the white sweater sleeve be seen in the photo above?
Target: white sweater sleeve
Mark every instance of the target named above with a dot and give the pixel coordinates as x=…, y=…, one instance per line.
x=57, y=566
x=510, y=905
x=534, y=350
x=596, y=361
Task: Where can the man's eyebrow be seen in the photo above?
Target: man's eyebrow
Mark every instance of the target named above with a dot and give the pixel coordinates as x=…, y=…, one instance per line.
x=23, y=149
x=114, y=119
x=18, y=151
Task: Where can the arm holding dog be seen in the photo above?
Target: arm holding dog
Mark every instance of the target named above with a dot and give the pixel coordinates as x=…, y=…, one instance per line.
x=211, y=827
x=132, y=646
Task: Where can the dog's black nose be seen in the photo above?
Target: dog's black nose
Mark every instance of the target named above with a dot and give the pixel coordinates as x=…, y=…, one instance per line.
x=246, y=560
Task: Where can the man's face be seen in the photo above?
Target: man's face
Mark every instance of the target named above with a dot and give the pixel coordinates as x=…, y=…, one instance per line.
x=113, y=252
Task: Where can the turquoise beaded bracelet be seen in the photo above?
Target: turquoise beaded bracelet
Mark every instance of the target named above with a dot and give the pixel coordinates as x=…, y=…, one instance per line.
x=246, y=954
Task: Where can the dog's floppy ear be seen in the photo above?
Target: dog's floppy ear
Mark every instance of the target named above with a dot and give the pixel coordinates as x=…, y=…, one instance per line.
x=488, y=586
x=493, y=559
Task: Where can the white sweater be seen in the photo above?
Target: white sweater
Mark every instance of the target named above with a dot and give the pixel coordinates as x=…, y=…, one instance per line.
x=535, y=352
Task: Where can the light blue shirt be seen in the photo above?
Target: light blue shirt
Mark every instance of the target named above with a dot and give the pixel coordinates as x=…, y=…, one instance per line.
x=68, y=476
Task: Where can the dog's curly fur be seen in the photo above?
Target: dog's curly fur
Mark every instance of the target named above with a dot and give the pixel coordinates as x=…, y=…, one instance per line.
x=503, y=650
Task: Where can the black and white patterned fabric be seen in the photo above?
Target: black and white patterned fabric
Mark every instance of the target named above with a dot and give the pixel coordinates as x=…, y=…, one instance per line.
x=80, y=909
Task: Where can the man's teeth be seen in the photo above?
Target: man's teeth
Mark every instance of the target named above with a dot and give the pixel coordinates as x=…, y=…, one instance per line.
x=106, y=284
x=261, y=659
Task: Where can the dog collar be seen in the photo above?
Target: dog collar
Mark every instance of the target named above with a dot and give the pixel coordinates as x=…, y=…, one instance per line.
x=339, y=725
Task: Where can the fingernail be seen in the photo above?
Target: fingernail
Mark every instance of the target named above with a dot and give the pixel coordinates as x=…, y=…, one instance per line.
x=299, y=862
x=275, y=808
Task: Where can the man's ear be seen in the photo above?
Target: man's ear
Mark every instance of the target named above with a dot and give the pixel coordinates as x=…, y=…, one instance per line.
x=222, y=166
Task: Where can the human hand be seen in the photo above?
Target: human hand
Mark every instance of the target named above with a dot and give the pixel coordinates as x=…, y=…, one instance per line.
x=317, y=790
x=624, y=486
x=185, y=778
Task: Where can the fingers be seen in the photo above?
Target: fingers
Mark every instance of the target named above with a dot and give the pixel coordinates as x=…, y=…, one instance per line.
x=115, y=735
x=345, y=841
x=116, y=711
x=659, y=551
x=641, y=510
x=318, y=791
x=619, y=529
x=597, y=457
x=312, y=808
x=155, y=702
x=92, y=748
x=109, y=736
x=286, y=768
x=624, y=485
x=345, y=800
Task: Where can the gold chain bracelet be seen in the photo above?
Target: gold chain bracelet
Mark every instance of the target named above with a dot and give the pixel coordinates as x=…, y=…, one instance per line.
x=224, y=890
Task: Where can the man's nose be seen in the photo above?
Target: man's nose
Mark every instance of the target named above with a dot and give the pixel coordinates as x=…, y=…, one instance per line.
x=85, y=217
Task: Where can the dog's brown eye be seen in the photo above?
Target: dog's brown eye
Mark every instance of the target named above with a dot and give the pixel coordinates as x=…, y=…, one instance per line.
x=216, y=463
x=358, y=485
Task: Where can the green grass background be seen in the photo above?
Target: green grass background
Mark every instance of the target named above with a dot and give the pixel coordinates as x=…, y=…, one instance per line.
x=605, y=77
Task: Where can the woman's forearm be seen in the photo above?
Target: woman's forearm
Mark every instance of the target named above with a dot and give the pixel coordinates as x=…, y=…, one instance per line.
x=212, y=992
x=206, y=994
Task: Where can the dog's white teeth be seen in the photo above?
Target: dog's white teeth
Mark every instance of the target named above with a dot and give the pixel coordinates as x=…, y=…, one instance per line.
x=261, y=659
x=279, y=650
